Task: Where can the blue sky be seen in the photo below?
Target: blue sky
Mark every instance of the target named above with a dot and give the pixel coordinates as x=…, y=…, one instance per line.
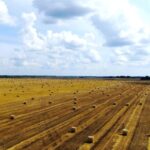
x=82, y=37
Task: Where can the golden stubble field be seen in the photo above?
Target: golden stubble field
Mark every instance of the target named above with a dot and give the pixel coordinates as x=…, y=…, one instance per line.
x=74, y=114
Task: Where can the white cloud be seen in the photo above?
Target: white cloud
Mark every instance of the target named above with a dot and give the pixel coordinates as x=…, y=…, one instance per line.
x=94, y=32
x=124, y=31
x=59, y=48
x=5, y=17
x=54, y=11
x=31, y=38
x=119, y=24
x=134, y=55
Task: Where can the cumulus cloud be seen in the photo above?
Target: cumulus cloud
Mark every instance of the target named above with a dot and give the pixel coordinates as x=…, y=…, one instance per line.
x=58, y=48
x=111, y=33
x=123, y=30
x=31, y=38
x=134, y=55
x=115, y=33
x=119, y=23
x=5, y=17
x=54, y=11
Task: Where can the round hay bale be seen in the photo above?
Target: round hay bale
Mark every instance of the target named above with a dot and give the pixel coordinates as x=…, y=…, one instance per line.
x=50, y=102
x=127, y=104
x=75, y=102
x=73, y=129
x=24, y=103
x=12, y=117
x=124, y=132
x=90, y=139
x=114, y=103
x=94, y=106
x=75, y=98
x=74, y=108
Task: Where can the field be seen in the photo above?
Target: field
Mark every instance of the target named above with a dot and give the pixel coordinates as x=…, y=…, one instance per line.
x=74, y=114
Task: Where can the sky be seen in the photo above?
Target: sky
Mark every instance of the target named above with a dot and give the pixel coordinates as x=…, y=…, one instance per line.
x=81, y=37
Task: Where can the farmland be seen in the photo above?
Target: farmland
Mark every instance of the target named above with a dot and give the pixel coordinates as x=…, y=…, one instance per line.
x=74, y=114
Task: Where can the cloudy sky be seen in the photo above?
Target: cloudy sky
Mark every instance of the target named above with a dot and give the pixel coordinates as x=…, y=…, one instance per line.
x=81, y=37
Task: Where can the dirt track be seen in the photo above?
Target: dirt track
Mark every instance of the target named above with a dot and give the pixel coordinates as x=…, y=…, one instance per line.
x=43, y=122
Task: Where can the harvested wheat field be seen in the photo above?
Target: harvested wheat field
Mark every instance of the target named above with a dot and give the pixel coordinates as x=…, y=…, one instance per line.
x=74, y=114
